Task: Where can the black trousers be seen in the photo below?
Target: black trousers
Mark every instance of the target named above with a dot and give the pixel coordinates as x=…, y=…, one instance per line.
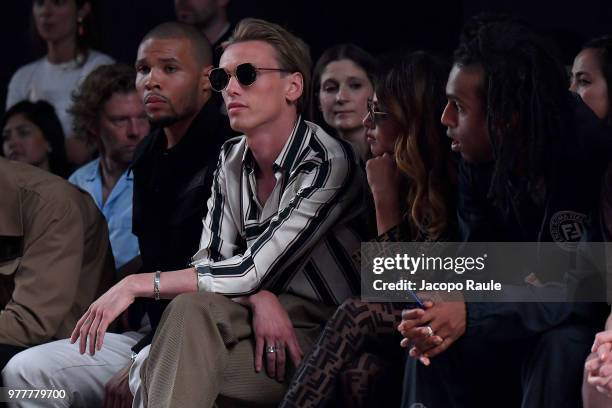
x=542, y=372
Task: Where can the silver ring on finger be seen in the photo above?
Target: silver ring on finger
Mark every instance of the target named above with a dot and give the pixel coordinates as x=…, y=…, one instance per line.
x=271, y=349
x=430, y=331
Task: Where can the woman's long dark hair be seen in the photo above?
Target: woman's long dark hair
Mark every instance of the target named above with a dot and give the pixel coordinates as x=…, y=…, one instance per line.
x=412, y=90
x=42, y=114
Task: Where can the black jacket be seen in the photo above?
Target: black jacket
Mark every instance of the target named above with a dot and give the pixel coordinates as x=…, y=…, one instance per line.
x=171, y=188
x=572, y=194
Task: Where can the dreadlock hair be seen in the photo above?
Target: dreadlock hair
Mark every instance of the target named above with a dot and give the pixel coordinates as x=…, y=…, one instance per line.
x=603, y=50
x=476, y=22
x=524, y=90
x=412, y=90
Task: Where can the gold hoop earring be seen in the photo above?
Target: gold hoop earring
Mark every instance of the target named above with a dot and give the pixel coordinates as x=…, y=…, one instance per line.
x=81, y=29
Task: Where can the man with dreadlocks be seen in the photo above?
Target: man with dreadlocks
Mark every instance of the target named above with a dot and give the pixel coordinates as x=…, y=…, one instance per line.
x=532, y=153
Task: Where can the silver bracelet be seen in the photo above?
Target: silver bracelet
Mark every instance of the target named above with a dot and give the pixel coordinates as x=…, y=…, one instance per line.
x=156, y=285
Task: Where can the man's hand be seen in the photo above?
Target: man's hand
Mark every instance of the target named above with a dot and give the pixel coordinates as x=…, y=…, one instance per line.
x=599, y=375
x=447, y=321
x=412, y=322
x=599, y=368
x=117, y=392
x=100, y=315
x=273, y=328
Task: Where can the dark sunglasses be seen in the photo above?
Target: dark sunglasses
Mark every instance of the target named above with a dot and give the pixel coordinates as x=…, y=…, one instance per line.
x=374, y=114
x=246, y=74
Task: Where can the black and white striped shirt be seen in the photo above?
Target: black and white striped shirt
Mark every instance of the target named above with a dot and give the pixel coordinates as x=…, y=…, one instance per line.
x=302, y=239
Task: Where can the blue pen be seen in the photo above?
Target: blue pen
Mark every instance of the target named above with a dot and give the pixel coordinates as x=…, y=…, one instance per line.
x=416, y=298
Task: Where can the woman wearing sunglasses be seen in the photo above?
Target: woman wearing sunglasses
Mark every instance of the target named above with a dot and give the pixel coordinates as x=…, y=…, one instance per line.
x=342, y=85
x=409, y=143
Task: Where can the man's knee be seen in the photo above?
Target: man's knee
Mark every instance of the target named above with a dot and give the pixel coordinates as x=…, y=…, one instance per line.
x=190, y=302
x=38, y=365
x=25, y=368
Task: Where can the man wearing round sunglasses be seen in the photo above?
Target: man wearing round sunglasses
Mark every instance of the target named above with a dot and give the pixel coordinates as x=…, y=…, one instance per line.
x=274, y=258
x=276, y=241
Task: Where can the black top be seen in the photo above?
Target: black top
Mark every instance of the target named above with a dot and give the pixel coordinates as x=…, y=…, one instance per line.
x=565, y=212
x=581, y=155
x=171, y=187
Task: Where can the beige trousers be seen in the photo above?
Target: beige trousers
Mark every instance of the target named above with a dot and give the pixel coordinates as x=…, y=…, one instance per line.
x=203, y=353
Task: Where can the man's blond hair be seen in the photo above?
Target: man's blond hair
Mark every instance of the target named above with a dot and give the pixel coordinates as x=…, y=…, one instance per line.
x=292, y=53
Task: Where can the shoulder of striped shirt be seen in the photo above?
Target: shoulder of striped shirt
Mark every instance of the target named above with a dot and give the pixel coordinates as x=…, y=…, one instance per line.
x=234, y=141
x=333, y=146
x=231, y=145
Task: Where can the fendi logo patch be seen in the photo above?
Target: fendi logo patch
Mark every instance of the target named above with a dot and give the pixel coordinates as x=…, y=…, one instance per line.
x=566, y=228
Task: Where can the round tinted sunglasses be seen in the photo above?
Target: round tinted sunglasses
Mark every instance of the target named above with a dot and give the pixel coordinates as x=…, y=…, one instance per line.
x=246, y=74
x=374, y=113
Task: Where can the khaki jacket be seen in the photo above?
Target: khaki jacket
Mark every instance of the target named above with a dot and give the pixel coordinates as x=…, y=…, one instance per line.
x=55, y=257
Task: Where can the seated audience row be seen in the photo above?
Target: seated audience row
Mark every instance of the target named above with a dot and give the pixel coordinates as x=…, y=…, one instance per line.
x=255, y=238
x=172, y=176
x=66, y=30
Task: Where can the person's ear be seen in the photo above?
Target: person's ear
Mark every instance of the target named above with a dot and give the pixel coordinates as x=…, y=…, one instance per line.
x=295, y=87
x=93, y=129
x=204, y=79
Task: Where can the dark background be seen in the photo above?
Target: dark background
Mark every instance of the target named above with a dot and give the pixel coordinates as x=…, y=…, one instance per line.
x=378, y=26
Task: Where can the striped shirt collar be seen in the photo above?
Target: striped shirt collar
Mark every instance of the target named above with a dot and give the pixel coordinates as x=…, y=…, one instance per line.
x=286, y=159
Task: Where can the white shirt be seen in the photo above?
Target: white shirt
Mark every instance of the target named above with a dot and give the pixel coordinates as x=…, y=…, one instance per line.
x=54, y=83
